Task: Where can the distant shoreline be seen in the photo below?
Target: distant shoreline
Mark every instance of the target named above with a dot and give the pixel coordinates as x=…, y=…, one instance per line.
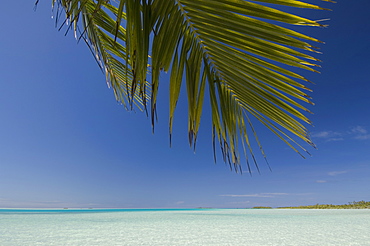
x=351, y=205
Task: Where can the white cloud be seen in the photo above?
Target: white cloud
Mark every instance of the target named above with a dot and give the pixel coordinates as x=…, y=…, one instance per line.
x=257, y=195
x=359, y=129
x=323, y=134
x=179, y=202
x=8, y=203
x=335, y=139
x=248, y=195
x=363, y=137
x=240, y=203
x=321, y=181
x=328, y=135
x=360, y=133
x=335, y=173
x=277, y=194
x=357, y=132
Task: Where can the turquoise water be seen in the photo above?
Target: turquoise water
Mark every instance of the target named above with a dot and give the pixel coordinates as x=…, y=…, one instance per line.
x=185, y=227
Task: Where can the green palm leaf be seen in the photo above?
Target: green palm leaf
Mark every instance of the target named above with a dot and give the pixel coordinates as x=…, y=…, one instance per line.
x=231, y=48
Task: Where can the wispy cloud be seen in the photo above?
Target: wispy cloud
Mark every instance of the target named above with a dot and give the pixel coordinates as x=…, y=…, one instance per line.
x=257, y=195
x=334, y=139
x=321, y=181
x=8, y=203
x=360, y=133
x=335, y=173
x=328, y=135
x=179, y=202
x=248, y=195
x=363, y=137
x=240, y=203
x=276, y=194
x=323, y=134
x=357, y=132
x=359, y=129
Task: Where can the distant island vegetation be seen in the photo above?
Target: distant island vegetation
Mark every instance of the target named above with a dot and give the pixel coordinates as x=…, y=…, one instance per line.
x=262, y=207
x=351, y=205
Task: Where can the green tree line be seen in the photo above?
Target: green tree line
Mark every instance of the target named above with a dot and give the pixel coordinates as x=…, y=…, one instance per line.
x=350, y=205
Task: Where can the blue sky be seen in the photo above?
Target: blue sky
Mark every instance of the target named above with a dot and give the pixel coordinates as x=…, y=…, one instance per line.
x=66, y=142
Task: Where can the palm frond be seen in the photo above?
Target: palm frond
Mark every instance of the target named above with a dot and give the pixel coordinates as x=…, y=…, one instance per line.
x=236, y=48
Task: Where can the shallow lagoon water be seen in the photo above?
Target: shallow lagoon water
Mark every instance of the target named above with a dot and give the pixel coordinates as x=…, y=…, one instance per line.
x=185, y=227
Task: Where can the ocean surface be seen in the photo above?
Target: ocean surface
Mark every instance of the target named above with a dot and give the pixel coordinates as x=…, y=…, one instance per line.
x=185, y=227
